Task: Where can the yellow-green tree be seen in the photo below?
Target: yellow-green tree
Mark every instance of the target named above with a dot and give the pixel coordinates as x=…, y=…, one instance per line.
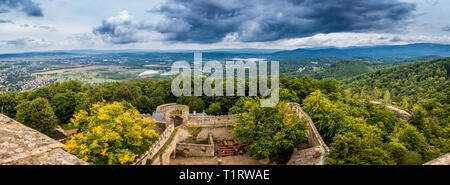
x=111, y=134
x=387, y=97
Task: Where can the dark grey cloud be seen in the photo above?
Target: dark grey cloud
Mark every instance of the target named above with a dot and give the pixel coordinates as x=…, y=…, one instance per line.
x=3, y=11
x=447, y=28
x=121, y=29
x=2, y=21
x=204, y=21
x=27, y=6
x=23, y=42
x=17, y=42
x=48, y=28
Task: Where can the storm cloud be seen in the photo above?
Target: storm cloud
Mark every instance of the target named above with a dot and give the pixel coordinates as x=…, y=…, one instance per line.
x=23, y=42
x=121, y=29
x=447, y=28
x=204, y=21
x=27, y=6
x=6, y=21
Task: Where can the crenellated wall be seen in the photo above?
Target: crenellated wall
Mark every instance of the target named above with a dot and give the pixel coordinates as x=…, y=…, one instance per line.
x=211, y=121
x=314, y=138
x=172, y=109
x=156, y=146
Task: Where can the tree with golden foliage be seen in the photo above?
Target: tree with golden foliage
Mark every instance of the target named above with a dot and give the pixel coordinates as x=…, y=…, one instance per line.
x=111, y=134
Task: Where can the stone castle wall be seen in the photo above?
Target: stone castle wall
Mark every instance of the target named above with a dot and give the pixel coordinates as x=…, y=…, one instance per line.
x=197, y=150
x=154, y=149
x=220, y=133
x=219, y=126
x=314, y=138
x=208, y=121
x=172, y=109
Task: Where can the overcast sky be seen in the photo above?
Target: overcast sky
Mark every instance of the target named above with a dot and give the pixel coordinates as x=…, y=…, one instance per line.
x=39, y=25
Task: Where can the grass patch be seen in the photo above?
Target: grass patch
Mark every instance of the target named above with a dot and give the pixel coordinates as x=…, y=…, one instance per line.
x=194, y=130
x=67, y=126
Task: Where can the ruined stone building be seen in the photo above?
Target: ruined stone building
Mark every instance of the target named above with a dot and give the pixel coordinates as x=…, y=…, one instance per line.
x=177, y=120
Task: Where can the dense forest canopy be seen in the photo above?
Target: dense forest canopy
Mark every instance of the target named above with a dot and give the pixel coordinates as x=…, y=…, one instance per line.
x=357, y=131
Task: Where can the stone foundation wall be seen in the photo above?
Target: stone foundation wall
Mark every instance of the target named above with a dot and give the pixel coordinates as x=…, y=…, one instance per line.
x=220, y=133
x=196, y=150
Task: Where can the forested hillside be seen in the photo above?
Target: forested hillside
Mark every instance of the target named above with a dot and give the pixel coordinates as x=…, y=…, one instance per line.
x=422, y=88
x=413, y=86
x=346, y=68
x=341, y=68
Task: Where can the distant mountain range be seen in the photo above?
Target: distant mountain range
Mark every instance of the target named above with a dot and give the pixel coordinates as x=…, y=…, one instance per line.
x=410, y=50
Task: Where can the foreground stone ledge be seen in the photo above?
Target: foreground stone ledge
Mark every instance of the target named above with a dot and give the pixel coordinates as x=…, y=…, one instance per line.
x=21, y=145
x=443, y=160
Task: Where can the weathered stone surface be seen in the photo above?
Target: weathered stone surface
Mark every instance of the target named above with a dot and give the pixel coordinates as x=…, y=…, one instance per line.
x=306, y=157
x=443, y=160
x=399, y=113
x=22, y=145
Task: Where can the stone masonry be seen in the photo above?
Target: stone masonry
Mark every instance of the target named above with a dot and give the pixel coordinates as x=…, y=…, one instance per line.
x=21, y=145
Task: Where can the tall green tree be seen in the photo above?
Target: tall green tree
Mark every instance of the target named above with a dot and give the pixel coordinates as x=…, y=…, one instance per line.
x=8, y=103
x=348, y=148
x=195, y=103
x=91, y=96
x=329, y=117
x=64, y=105
x=269, y=131
x=37, y=114
x=387, y=97
x=215, y=109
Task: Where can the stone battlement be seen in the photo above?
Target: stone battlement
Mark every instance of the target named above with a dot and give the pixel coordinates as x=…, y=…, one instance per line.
x=212, y=120
x=314, y=138
x=156, y=146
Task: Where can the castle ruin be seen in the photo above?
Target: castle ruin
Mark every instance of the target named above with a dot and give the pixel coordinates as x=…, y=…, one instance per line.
x=178, y=122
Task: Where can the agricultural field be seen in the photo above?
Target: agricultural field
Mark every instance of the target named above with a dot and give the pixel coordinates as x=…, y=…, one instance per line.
x=29, y=73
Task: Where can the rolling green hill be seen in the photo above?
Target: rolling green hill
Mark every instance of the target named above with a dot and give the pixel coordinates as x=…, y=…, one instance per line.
x=416, y=81
x=346, y=68
x=422, y=88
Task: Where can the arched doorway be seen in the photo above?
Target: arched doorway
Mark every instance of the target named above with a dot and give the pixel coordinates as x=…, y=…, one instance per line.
x=177, y=120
